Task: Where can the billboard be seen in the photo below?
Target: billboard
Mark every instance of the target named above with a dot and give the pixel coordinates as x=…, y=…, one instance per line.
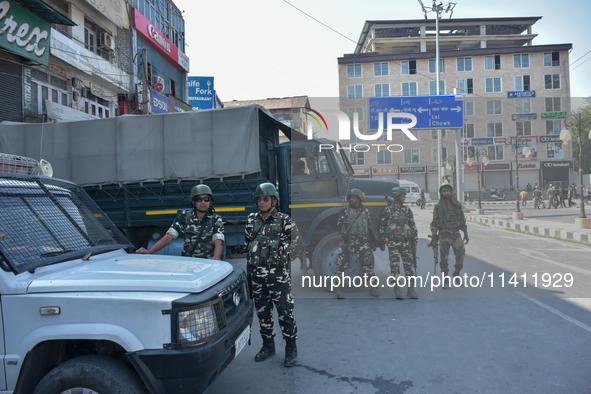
x=201, y=93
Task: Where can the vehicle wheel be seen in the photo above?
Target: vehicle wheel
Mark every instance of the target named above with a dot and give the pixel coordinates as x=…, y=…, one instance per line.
x=91, y=374
x=324, y=259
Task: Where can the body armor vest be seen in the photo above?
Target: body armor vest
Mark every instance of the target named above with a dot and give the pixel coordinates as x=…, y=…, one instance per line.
x=360, y=227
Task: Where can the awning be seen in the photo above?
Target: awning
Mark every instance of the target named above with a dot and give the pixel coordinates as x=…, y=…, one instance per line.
x=46, y=12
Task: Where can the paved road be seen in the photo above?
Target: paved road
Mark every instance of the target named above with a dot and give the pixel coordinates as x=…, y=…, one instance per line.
x=559, y=215
x=488, y=339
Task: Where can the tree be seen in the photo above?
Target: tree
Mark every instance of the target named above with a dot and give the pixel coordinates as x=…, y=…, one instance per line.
x=585, y=115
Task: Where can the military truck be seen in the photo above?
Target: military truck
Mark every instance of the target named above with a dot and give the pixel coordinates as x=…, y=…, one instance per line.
x=140, y=171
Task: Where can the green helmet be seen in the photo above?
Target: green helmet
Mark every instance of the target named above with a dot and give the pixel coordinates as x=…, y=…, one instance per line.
x=199, y=190
x=358, y=193
x=266, y=189
x=397, y=191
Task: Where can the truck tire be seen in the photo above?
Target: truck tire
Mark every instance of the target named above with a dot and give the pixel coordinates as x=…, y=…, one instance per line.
x=91, y=374
x=324, y=258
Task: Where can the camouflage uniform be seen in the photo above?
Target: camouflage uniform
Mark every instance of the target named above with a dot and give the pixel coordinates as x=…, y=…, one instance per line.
x=199, y=235
x=537, y=197
x=446, y=231
x=270, y=244
x=360, y=233
x=552, y=197
x=397, y=228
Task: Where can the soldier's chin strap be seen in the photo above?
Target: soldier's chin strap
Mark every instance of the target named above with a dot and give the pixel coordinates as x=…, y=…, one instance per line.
x=270, y=209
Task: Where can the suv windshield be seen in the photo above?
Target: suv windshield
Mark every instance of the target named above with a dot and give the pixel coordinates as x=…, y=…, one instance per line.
x=49, y=220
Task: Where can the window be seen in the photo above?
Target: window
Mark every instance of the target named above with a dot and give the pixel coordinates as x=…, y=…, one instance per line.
x=495, y=152
x=553, y=126
x=167, y=19
x=93, y=36
x=492, y=62
x=432, y=66
x=357, y=158
x=553, y=104
x=381, y=70
x=521, y=61
x=354, y=71
x=551, y=59
x=523, y=106
x=433, y=87
x=413, y=132
x=468, y=131
x=468, y=108
x=408, y=67
x=47, y=87
x=493, y=85
x=411, y=156
x=464, y=64
x=382, y=90
x=494, y=107
x=465, y=86
x=494, y=130
x=384, y=156
x=434, y=134
x=522, y=82
x=359, y=112
x=409, y=89
x=523, y=127
x=552, y=81
x=355, y=91
x=434, y=155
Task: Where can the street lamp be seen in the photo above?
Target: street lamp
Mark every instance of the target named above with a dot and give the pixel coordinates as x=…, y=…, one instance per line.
x=565, y=136
x=515, y=142
x=484, y=162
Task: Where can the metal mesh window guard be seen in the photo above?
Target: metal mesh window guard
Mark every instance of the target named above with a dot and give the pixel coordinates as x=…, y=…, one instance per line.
x=202, y=322
x=48, y=220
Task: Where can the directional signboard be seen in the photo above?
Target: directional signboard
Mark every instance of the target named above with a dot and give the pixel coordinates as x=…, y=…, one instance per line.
x=432, y=112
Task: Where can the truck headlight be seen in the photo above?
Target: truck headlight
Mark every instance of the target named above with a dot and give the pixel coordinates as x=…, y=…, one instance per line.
x=202, y=322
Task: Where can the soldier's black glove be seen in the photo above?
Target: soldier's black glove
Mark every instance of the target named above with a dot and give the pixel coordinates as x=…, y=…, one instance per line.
x=382, y=246
x=466, y=239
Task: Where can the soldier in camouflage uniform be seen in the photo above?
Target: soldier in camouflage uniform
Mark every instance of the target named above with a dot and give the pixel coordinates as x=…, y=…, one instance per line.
x=537, y=197
x=272, y=238
x=448, y=220
x=354, y=218
x=202, y=228
x=398, y=230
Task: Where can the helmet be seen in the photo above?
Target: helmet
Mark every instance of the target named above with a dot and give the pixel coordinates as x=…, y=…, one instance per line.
x=201, y=189
x=445, y=184
x=397, y=191
x=266, y=189
x=358, y=193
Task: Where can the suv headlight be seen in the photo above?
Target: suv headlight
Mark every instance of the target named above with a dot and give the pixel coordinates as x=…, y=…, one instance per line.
x=198, y=323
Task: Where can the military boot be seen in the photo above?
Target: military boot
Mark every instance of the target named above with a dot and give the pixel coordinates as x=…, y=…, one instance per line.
x=266, y=351
x=374, y=292
x=291, y=353
x=410, y=292
x=446, y=280
x=397, y=292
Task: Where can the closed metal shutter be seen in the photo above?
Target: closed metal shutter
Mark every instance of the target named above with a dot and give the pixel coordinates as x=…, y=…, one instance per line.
x=11, y=74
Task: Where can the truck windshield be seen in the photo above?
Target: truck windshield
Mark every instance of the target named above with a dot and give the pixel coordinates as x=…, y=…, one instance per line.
x=48, y=220
x=343, y=162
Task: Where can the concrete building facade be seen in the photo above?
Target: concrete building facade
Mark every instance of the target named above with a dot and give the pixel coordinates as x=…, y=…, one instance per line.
x=511, y=88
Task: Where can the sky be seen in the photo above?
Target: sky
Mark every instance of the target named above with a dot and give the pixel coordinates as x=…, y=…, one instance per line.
x=261, y=49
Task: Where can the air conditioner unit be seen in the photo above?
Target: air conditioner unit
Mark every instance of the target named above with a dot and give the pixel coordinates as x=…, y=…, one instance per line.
x=107, y=42
x=75, y=95
x=75, y=83
x=157, y=79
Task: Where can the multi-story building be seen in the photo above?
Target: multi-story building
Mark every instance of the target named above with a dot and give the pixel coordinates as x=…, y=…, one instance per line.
x=511, y=88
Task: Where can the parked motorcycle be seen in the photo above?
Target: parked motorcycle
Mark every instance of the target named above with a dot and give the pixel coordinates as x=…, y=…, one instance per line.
x=497, y=197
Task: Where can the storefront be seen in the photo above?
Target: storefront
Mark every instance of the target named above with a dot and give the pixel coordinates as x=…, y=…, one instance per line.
x=497, y=175
x=528, y=173
x=432, y=179
x=555, y=171
x=414, y=174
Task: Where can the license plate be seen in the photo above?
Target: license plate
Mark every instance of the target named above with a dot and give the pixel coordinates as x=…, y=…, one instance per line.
x=242, y=340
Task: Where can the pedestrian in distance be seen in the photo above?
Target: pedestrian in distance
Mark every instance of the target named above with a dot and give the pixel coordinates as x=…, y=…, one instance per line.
x=552, y=202
x=523, y=196
x=272, y=238
x=423, y=201
x=537, y=197
x=399, y=232
x=483, y=192
x=571, y=194
x=356, y=237
x=562, y=196
x=448, y=221
x=201, y=227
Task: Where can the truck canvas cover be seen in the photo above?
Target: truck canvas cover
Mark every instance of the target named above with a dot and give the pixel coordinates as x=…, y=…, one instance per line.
x=138, y=148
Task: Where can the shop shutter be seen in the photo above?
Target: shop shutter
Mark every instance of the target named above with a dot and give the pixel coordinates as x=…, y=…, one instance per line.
x=11, y=71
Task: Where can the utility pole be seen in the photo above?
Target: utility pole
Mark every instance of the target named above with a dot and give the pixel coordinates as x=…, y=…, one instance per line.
x=145, y=101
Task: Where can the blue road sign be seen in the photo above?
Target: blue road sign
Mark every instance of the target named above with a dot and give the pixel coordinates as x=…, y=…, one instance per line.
x=432, y=112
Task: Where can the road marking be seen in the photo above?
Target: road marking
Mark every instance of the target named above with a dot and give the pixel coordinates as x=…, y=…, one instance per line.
x=534, y=254
x=556, y=312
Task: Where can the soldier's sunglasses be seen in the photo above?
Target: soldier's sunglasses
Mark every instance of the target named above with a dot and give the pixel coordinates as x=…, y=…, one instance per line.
x=263, y=199
x=202, y=199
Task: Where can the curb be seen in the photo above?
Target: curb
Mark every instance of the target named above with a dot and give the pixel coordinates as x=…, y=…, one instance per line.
x=532, y=229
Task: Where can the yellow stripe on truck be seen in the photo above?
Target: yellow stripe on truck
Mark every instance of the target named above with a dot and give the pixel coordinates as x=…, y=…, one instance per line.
x=174, y=212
